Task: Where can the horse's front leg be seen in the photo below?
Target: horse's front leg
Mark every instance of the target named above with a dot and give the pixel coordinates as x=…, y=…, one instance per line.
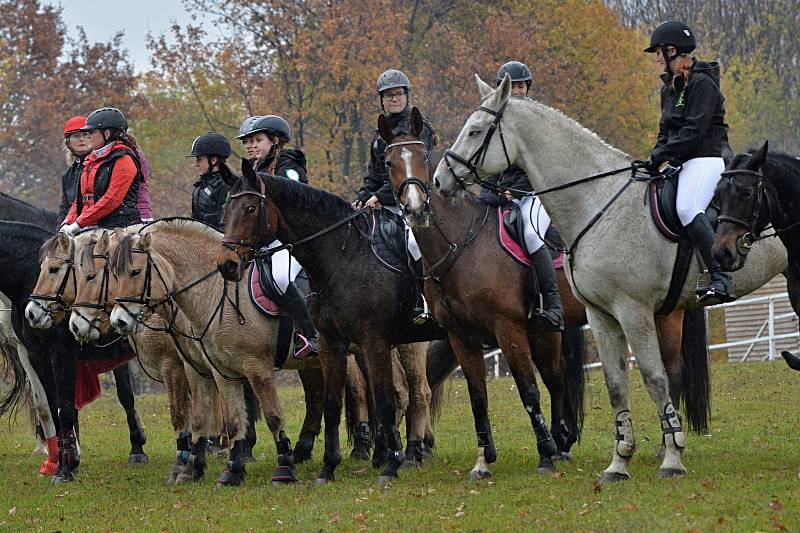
x=313, y=390
x=64, y=369
x=470, y=358
x=204, y=421
x=122, y=377
x=639, y=328
x=546, y=353
x=412, y=358
x=333, y=358
x=613, y=350
x=236, y=427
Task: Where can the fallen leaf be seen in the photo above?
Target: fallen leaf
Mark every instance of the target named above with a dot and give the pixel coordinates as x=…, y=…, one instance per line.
x=707, y=484
x=178, y=505
x=361, y=518
x=631, y=507
x=12, y=511
x=335, y=519
x=775, y=504
x=597, y=487
x=558, y=475
x=585, y=512
x=776, y=523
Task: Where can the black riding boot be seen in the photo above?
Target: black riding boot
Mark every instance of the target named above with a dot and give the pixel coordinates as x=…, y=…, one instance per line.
x=295, y=304
x=550, y=308
x=421, y=314
x=720, y=288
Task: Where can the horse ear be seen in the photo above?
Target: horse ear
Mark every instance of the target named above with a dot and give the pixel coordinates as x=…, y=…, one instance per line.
x=483, y=87
x=249, y=174
x=385, y=128
x=63, y=240
x=102, y=243
x=145, y=242
x=760, y=157
x=502, y=92
x=415, y=123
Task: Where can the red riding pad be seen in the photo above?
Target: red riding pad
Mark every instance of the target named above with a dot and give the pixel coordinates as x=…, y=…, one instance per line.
x=260, y=299
x=87, y=384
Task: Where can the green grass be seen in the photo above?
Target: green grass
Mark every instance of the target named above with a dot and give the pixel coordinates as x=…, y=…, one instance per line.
x=742, y=477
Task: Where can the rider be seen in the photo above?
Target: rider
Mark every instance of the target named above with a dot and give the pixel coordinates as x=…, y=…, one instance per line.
x=247, y=140
x=394, y=89
x=512, y=186
x=269, y=134
x=77, y=142
x=691, y=136
x=210, y=151
x=111, y=175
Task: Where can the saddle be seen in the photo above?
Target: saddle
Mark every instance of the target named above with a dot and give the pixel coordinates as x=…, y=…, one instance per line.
x=386, y=232
x=661, y=194
x=511, y=231
x=266, y=298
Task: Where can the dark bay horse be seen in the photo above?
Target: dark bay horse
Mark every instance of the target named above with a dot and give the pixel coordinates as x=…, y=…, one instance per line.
x=474, y=286
x=354, y=298
x=54, y=352
x=761, y=188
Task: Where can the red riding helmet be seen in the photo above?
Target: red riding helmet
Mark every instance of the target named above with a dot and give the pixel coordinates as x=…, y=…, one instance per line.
x=74, y=124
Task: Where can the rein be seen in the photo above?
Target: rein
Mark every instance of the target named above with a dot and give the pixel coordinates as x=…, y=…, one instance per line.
x=477, y=158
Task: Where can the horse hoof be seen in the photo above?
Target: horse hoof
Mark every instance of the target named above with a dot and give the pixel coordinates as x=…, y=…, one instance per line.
x=137, y=458
x=477, y=475
x=301, y=454
x=48, y=468
x=410, y=463
x=666, y=473
x=613, y=477
x=545, y=469
x=321, y=481
x=360, y=453
x=563, y=456
x=283, y=475
x=383, y=480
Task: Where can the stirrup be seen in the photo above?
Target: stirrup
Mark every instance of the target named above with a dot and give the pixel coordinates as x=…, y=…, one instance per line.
x=303, y=347
x=709, y=295
x=422, y=316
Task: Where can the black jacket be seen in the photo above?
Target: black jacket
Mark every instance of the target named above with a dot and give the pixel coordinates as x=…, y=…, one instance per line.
x=693, y=120
x=376, y=181
x=69, y=187
x=511, y=178
x=208, y=199
x=291, y=164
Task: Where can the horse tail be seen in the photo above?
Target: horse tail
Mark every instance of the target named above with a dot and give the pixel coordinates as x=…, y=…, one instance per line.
x=573, y=350
x=12, y=371
x=695, y=375
x=440, y=363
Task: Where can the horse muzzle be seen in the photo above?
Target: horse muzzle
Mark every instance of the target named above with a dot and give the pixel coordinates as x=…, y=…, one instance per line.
x=123, y=322
x=730, y=251
x=38, y=315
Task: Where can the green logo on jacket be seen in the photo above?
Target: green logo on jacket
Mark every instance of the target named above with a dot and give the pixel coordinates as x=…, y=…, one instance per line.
x=681, y=100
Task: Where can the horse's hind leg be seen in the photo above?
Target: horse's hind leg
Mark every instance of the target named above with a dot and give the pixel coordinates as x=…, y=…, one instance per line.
x=313, y=388
x=669, y=332
x=177, y=387
x=412, y=357
x=64, y=364
x=122, y=376
x=357, y=413
x=470, y=358
x=236, y=426
x=204, y=421
x=333, y=358
x=513, y=341
x=546, y=351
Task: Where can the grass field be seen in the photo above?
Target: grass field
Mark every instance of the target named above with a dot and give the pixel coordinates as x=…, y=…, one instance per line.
x=743, y=476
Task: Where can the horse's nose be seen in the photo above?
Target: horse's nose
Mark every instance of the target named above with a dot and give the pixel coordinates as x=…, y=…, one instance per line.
x=229, y=268
x=724, y=256
x=74, y=328
x=120, y=324
x=436, y=183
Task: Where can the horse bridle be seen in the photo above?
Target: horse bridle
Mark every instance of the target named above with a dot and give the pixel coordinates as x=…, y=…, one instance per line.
x=58, y=298
x=752, y=233
x=101, y=304
x=472, y=162
x=235, y=244
x=413, y=180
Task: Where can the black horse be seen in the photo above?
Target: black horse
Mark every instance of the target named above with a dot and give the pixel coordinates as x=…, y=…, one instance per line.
x=53, y=353
x=761, y=188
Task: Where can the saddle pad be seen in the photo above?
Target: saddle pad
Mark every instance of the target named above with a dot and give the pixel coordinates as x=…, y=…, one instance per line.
x=662, y=193
x=258, y=295
x=87, y=384
x=512, y=247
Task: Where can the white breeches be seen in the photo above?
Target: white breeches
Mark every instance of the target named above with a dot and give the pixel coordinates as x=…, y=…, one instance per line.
x=536, y=221
x=284, y=267
x=411, y=241
x=696, y=184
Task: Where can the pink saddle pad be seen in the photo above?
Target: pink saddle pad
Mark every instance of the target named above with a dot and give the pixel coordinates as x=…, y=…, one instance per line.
x=260, y=299
x=514, y=249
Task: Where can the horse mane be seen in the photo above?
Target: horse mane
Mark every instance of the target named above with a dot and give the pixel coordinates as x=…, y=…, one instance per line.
x=122, y=256
x=785, y=164
x=23, y=202
x=569, y=122
x=290, y=192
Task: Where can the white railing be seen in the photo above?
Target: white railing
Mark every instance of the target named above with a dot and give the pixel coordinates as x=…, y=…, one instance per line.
x=769, y=325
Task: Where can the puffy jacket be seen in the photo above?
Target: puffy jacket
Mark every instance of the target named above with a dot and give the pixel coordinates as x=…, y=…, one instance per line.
x=143, y=203
x=109, y=189
x=291, y=164
x=208, y=199
x=693, y=120
x=511, y=178
x=376, y=181
x=69, y=187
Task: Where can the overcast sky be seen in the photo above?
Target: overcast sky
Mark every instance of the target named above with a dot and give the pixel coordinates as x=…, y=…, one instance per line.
x=103, y=18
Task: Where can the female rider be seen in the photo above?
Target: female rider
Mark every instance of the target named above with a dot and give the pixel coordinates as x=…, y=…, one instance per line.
x=691, y=136
x=77, y=143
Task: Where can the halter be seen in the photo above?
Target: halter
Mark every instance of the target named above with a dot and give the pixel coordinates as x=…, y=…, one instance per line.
x=413, y=180
x=58, y=298
x=102, y=298
x=752, y=233
x=235, y=243
x=480, y=154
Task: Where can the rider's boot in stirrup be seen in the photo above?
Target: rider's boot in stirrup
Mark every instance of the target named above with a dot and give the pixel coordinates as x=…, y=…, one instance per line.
x=421, y=313
x=294, y=302
x=720, y=289
x=549, y=307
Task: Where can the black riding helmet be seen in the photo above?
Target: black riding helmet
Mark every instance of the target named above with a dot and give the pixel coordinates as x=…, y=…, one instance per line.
x=247, y=126
x=272, y=125
x=517, y=70
x=211, y=144
x=672, y=33
x=106, y=118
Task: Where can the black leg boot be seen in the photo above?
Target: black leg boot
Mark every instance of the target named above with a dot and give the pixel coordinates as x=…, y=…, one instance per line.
x=550, y=308
x=720, y=288
x=294, y=302
x=421, y=314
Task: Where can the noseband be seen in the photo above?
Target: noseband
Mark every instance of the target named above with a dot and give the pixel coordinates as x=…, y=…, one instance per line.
x=752, y=233
x=102, y=304
x=236, y=243
x=58, y=298
x=412, y=180
x=479, y=156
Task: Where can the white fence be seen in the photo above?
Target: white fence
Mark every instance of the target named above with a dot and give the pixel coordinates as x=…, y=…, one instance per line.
x=766, y=333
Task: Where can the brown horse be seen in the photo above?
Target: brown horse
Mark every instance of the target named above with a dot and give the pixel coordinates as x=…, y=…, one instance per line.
x=477, y=292
x=355, y=299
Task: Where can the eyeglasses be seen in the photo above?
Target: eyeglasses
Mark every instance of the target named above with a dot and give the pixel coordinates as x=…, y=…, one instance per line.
x=394, y=96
